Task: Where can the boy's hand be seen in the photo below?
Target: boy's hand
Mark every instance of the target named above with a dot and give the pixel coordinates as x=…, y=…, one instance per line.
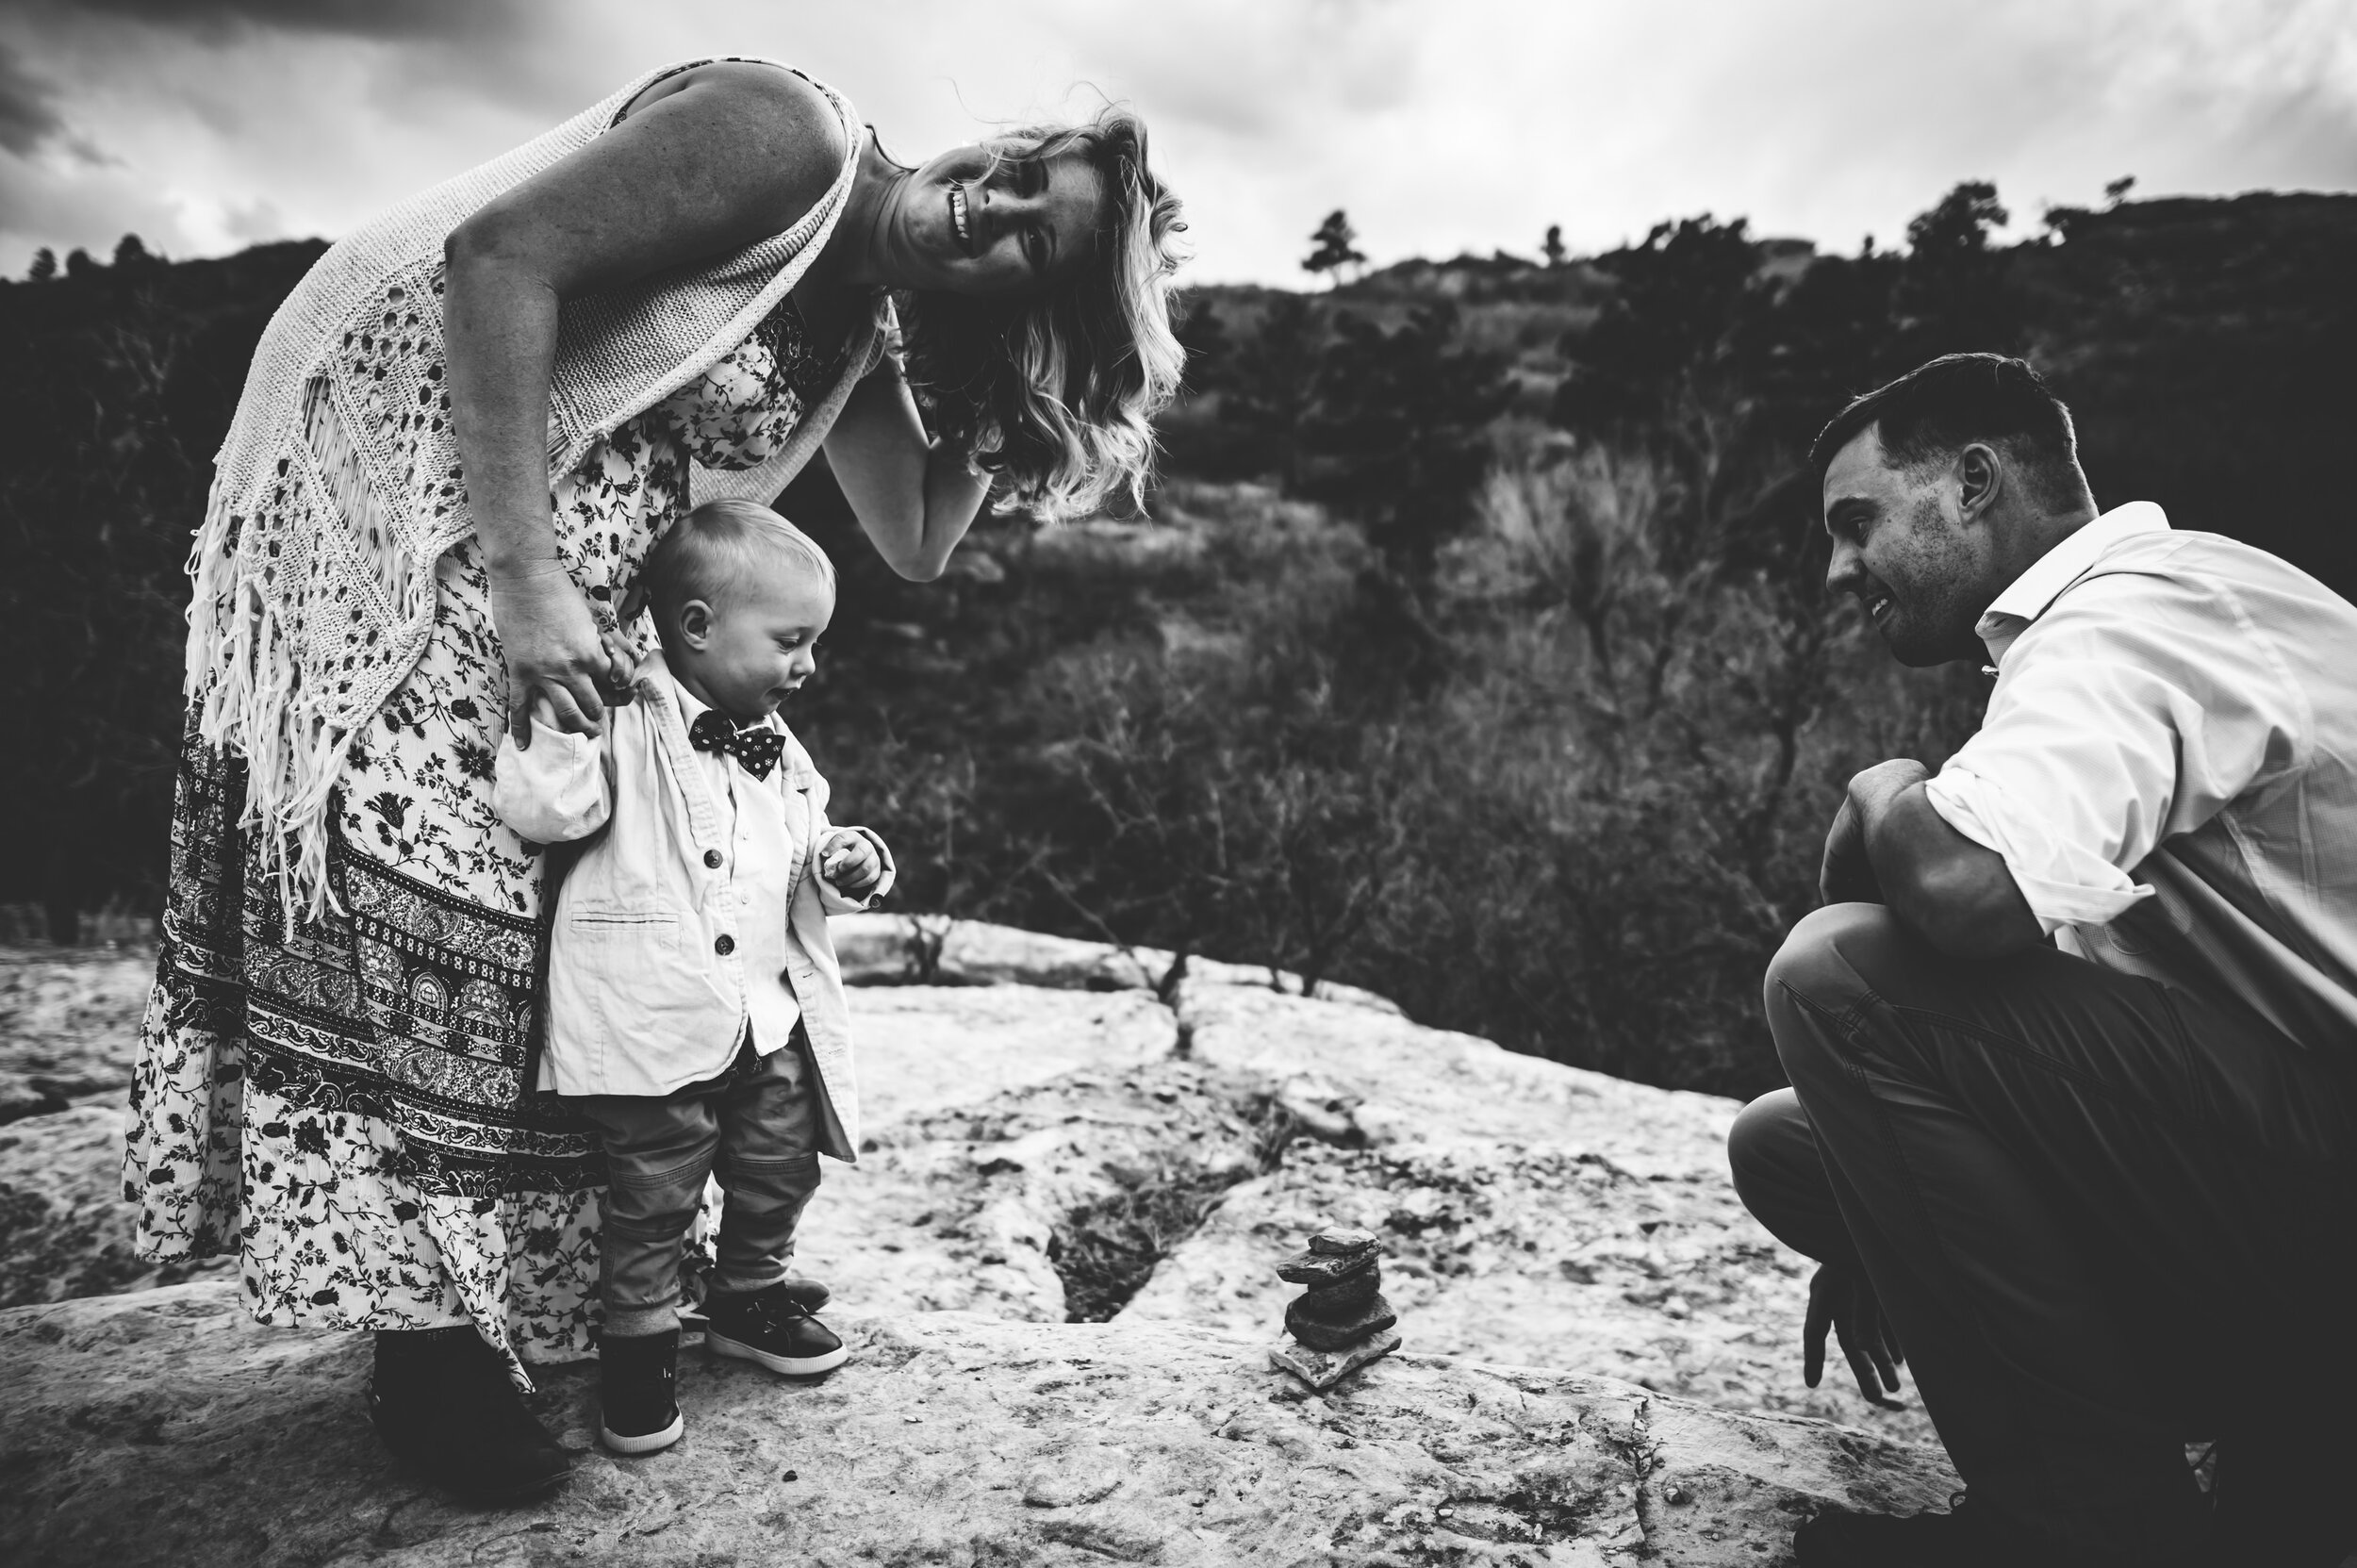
x=850, y=862
x=616, y=686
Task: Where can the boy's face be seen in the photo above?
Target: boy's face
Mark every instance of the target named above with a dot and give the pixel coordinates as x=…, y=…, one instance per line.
x=754, y=648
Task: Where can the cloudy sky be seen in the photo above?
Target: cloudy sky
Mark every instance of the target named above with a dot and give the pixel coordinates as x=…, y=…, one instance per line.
x=1442, y=125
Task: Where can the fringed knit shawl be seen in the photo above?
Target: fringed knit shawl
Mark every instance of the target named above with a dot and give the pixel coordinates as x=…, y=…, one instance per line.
x=340, y=486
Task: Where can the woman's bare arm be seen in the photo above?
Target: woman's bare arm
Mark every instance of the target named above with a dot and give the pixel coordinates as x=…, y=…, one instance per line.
x=732, y=154
x=916, y=500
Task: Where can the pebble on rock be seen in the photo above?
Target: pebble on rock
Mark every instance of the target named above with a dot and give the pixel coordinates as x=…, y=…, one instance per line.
x=1341, y=1321
x=1322, y=1369
x=1372, y=1318
x=1321, y=1268
x=1333, y=1301
x=1344, y=1240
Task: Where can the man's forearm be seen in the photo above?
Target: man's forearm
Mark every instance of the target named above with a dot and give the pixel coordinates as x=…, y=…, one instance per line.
x=1955, y=894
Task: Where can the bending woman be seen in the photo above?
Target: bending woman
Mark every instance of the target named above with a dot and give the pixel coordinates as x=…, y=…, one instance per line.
x=460, y=436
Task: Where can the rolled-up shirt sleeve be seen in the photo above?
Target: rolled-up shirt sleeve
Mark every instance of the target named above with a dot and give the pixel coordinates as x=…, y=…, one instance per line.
x=2134, y=710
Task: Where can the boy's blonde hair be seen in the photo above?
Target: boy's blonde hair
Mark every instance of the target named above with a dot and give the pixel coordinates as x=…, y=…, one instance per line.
x=713, y=548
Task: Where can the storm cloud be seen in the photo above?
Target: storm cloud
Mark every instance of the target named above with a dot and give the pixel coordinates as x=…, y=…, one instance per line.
x=28, y=116
x=1442, y=125
x=390, y=19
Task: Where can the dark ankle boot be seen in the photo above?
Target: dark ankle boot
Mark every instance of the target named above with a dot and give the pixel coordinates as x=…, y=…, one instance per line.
x=638, y=1376
x=441, y=1401
x=2282, y=1498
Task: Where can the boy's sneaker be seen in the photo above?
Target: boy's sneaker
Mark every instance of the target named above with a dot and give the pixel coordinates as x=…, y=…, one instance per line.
x=810, y=1295
x=638, y=1378
x=771, y=1328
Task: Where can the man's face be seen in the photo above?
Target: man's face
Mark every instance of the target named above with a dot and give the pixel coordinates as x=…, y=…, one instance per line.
x=1901, y=546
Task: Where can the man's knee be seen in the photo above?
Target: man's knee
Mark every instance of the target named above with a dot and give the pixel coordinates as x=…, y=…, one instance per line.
x=1766, y=1133
x=1826, y=955
x=1769, y=1149
x=1833, y=960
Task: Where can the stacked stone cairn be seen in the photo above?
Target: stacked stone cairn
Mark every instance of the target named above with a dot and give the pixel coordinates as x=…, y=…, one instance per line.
x=1342, y=1321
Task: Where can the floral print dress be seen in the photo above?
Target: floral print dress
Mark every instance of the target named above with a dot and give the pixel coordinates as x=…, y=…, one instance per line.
x=348, y=1104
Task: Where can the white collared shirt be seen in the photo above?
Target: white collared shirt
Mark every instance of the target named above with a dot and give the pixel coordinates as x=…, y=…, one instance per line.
x=2168, y=766
x=763, y=861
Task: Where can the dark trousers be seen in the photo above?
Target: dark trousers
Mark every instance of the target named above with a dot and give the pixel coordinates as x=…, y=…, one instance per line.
x=756, y=1128
x=2105, y=1219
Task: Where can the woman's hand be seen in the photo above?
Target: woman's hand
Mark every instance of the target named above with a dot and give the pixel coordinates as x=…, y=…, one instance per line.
x=553, y=648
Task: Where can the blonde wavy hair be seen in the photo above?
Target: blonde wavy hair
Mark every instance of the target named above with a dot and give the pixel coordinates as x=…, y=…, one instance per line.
x=1058, y=392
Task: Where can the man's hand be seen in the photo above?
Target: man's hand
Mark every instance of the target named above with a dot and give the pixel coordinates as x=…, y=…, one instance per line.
x=1845, y=878
x=1845, y=1302
x=850, y=862
x=1846, y=875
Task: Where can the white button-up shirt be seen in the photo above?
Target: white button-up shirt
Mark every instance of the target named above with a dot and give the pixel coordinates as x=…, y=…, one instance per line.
x=696, y=912
x=2168, y=766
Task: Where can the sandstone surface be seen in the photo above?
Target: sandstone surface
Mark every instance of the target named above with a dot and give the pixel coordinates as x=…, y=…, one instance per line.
x=893, y=949
x=64, y=1229
x=162, y=1427
x=68, y=1019
x=1530, y=1213
x=1046, y=1139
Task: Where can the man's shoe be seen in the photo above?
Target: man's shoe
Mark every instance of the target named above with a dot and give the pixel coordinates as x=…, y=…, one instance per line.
x=1964, y=1537
x=771, y=1328
x=639, y=1393
x=2282, y=1497
x=441, y=1401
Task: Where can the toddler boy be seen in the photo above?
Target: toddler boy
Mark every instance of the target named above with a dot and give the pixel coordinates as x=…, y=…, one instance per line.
x=696, y=1013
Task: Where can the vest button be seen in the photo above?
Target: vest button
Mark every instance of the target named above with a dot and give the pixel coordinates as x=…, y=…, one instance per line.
x=712, y=858
x=724, y=944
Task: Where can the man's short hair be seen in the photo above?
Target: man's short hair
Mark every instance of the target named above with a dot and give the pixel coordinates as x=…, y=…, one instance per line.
x=1937, y=409
x=715, y=547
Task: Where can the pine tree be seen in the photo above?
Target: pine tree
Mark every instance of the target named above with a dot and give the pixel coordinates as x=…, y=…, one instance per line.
x=1333, y=241
x=44, y=265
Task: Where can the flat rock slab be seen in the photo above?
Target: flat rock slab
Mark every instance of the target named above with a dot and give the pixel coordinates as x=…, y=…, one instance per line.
x=162, y=1427
x=69, y=1024
x=925, y=1048
x=895, y=950
x=1390, y=1081
x=1322, y=1369
x=1529, y=1213
x=64, y=1229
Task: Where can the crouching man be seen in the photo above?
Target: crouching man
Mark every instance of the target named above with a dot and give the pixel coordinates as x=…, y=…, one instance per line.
x=2073, y=1128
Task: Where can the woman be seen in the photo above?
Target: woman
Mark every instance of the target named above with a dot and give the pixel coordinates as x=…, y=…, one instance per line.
x=460, y=436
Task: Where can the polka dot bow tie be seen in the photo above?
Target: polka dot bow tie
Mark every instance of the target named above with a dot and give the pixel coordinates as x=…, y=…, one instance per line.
x=756, y=746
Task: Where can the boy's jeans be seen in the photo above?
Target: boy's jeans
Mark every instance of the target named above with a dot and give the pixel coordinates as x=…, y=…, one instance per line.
x=756, y=1126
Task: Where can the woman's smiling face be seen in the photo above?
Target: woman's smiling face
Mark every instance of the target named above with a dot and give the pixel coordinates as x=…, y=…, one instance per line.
x=966, y=224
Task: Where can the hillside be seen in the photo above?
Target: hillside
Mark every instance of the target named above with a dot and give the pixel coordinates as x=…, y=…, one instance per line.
x=1476, y=652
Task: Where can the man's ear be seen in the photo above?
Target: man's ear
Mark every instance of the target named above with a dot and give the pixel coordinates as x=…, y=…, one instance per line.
x=1980, y=477
x=695, y=623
